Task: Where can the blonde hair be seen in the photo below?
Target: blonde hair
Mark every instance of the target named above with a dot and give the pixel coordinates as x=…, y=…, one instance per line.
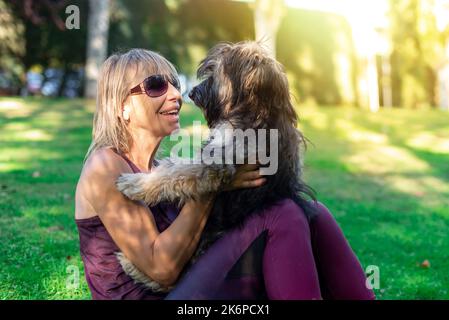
x=118, y=75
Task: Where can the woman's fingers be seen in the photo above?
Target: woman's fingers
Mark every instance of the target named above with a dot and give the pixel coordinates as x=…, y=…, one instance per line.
x=247, y=176
x=250, y=175
x=253, y=183
x=248, y=167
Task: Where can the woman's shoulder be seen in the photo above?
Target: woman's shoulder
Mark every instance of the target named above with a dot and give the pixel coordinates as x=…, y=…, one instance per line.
x=288, y=207
x=97, y=180
x=102, y=155
x=291, y=206
x=101, y=168
x=105, y=161
x=320, y=207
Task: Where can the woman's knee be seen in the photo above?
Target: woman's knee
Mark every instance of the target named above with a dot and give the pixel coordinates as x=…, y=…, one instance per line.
x=286, y=216
x=323, y=216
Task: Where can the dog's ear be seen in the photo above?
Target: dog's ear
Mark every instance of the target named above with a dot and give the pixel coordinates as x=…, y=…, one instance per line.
x=266, y=87
x=213, y=59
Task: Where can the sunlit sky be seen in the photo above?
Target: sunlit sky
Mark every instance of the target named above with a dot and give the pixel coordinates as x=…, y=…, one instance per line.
x=366, y=16
x=364, y=12
x=361, y=12
x=363, y=16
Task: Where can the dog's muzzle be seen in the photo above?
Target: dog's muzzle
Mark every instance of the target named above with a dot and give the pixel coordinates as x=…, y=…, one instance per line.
x=192, y=94
x=195, y=96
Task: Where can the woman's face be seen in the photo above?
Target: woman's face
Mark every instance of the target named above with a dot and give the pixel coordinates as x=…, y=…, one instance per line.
x=155, y=114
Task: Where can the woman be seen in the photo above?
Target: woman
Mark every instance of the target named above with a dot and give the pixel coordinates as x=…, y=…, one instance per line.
x=276, y=256
x=128, y=129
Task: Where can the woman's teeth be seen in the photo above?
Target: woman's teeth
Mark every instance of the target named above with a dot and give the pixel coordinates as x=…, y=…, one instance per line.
x=171, y=113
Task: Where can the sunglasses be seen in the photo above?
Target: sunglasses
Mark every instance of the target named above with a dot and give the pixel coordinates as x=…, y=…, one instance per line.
x=155, y=86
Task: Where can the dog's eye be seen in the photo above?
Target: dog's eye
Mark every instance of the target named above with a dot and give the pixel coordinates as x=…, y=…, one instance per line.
x=206, y=82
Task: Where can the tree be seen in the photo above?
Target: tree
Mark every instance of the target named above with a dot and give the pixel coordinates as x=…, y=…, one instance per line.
x=416, y=52
x=267, y=18
x=97, y=43
x=182, y=31
x=441, y=10
x=12, y=46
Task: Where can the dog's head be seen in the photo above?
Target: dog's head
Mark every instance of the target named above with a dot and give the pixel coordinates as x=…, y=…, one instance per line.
x=242, y=83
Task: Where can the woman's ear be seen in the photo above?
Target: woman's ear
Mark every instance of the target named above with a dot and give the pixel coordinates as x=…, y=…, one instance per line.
x=126, y=110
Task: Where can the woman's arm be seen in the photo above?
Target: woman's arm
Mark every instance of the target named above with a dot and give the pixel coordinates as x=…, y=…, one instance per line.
x=247, y=176
x=131, y=225
x=161, y=256
x=176, y=245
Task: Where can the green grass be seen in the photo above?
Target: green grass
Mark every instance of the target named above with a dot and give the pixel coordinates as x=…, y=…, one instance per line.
x=385, y=177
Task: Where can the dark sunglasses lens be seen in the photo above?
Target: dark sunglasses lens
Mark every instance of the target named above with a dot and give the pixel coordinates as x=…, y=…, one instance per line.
x=155, y=86
x=176, y=84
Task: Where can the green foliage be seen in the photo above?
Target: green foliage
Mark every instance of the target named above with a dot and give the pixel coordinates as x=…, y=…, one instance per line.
x=12, y=44
x=182, y=31
x=46, y=44
x=312, y=45
x=316, y=47
x=418, y=51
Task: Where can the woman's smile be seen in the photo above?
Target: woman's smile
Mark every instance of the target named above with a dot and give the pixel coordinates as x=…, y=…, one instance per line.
x=171, y=113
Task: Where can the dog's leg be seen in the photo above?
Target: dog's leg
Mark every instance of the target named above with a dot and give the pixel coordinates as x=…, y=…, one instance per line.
x=175, y=182
x=138, y=276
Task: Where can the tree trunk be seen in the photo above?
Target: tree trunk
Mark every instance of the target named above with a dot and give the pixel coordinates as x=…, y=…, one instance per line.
x=267, y=18
x=443, y=82
x=97, y=43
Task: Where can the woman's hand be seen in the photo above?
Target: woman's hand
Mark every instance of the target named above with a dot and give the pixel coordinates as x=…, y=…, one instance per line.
x=247, y=176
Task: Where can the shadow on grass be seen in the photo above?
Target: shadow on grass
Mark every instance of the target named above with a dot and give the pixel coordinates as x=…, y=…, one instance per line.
x=37, y=198
x=387, y=227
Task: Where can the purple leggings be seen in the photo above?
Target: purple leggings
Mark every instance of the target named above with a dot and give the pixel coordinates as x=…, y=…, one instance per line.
x=278, y=255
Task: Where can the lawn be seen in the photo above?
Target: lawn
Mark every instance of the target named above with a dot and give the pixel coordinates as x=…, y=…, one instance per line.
x=385, y=177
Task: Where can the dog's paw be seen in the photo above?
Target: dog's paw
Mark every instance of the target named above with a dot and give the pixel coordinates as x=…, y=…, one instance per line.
x=139, y=276
x=132, y=185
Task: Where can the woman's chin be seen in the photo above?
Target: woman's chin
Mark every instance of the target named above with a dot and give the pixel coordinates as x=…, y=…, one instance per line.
x=173, y=127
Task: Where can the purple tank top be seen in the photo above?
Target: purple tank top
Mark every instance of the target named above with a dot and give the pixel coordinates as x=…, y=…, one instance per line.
x=104, y=274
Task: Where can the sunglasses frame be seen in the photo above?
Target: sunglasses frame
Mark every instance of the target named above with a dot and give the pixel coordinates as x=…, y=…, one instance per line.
x=140, y=88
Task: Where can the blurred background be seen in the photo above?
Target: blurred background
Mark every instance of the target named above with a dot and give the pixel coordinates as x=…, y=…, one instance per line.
x=370, y=82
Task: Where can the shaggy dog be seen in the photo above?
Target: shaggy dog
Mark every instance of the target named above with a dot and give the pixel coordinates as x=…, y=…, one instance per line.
x=244, y=87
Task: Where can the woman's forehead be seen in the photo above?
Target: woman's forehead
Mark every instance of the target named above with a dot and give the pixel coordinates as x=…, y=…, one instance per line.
x=145, y=70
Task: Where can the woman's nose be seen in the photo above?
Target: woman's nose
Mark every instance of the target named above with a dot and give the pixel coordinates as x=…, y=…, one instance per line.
x=174, y=92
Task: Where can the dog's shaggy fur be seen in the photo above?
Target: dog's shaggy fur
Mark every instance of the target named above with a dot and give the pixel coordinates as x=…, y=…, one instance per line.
x=243, y=88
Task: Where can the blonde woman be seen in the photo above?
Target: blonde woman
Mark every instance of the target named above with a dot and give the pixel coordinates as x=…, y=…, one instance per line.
x=138, y=104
